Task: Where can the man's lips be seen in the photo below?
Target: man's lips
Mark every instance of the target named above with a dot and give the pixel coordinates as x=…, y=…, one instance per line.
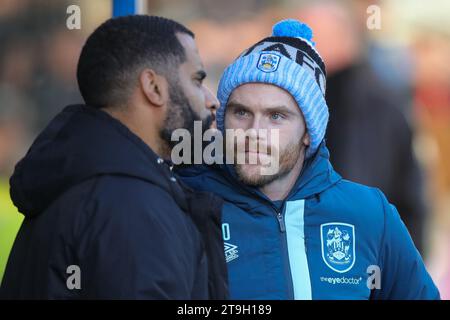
x=257, y=155
x=256, y=158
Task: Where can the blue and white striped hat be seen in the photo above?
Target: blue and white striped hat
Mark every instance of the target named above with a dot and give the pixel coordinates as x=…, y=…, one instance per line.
x=287, y=59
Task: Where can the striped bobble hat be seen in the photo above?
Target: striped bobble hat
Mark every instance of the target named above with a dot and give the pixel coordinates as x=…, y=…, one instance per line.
x=289, y=60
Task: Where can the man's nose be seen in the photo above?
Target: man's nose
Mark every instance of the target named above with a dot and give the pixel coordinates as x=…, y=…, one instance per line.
x=257, y=122
x=211, y=102
x=258, y=129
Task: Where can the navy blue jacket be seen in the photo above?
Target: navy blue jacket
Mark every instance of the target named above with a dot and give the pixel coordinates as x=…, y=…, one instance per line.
x=329, y=239
x=95, y=196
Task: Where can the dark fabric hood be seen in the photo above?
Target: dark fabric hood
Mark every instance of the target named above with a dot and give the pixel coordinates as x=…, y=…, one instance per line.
x=79, y=143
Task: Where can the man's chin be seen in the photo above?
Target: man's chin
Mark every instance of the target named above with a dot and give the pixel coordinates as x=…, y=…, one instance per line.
x=254, y=159
x=253, y=175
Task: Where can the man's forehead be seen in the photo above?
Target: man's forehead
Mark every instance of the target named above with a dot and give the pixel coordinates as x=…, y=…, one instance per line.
x=254, y=94
x=191, y=50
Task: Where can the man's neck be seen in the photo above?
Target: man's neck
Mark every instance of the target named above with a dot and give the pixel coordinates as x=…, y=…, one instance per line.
x=280, y=188
x=145, y=131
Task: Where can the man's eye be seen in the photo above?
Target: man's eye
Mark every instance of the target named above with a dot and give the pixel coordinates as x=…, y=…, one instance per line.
x=241, y=113
x=276, y=116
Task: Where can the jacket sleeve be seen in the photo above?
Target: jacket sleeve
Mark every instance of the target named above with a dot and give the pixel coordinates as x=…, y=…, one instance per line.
x=137, y=244
x=403, y=272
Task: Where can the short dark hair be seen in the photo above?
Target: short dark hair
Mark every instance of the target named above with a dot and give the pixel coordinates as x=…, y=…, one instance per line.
x=119, y=49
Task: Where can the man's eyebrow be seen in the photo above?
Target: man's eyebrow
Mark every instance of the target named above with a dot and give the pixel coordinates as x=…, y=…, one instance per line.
x=236, y=105
x=281, y=109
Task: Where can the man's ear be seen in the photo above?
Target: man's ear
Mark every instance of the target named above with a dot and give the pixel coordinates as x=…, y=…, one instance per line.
x=306, y=140
x=154, y=87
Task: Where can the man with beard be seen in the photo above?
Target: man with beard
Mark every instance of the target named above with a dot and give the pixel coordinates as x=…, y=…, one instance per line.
x=105, y=218
x=301, y=232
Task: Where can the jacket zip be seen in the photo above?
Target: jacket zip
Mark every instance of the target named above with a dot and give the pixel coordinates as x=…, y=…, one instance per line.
x=280, y=219
x=282, y=225
x=278, y=213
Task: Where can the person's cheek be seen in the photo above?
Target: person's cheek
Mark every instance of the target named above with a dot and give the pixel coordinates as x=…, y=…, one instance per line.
x=284, y=135
x=200, y=102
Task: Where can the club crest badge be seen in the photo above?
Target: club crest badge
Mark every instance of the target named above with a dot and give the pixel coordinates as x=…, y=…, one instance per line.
x=268, y=62
x=338, y=245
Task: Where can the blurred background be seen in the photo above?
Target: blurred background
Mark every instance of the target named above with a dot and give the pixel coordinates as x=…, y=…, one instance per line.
x=388, y=90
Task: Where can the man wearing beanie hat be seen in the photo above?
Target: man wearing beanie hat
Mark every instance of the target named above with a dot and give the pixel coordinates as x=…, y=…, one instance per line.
x=301, y=232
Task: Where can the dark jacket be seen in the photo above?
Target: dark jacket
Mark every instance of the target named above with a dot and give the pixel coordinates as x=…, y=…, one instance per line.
x=370, y=142
x=96, y=196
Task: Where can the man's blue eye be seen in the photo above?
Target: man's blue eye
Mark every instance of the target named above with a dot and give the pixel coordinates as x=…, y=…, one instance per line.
x=276, y=116
x=241, y=113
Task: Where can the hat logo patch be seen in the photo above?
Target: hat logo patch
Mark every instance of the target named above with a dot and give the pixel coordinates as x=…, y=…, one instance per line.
x=268, y=62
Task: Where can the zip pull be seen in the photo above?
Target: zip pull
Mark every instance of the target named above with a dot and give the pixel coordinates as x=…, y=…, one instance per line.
x=281, y=222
